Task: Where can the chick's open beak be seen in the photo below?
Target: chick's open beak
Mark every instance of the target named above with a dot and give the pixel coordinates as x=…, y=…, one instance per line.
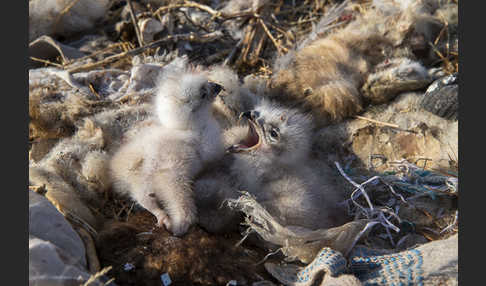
x=253, y=138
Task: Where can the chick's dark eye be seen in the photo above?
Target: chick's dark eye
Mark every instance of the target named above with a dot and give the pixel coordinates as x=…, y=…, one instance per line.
x=273, y=133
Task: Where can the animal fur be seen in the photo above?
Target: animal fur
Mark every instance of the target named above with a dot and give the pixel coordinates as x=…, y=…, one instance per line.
x=325, y=75
x=74, y=172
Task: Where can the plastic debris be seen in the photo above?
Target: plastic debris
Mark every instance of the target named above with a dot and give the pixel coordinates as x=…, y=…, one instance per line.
x=128, y=266
x=166, y=281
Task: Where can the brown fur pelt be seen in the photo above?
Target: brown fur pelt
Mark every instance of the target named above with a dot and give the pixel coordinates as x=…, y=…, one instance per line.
x=325, y=74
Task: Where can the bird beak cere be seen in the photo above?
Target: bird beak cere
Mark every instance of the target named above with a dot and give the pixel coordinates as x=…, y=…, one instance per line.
x=214, y=88
x=246, y=114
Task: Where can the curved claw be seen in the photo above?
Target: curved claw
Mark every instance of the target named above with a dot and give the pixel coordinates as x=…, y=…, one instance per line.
x=163, y=220
x=180, y=224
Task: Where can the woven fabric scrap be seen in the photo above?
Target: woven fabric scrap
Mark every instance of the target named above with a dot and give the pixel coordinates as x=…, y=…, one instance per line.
x=434, y=263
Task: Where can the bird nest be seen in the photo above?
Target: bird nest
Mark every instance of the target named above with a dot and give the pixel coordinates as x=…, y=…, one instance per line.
x=394, y=208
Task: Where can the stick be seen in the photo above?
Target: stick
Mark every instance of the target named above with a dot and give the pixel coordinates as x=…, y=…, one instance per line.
x=135, y=24
x=65, y=10
x=267, y=256
x=179, y=37
x=193, y=23
x=46, y=62
x=97, y=275
x=92, y=257
x=378, y=122
x=107, y=49
x=214, y=13
x=189, y=4
x=265, y=28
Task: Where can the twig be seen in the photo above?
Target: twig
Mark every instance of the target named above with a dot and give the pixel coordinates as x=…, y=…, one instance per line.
x=453, y=152
x=267, y=256
x=135, y=23
x=71, y=217
x=65, y=10
x=97, y=275
x=452, y=225
x=378, y=122
x=302, y=21
x=189, y=4
x=280, y=49
x=248, y=232
x=440, y=33
x=110, y=47
x=118, y=214
x=214, y=13
x=444, y=59
x=179, y=37
x=236, y=15
x=144, y=233
x=91, y=87
x=248, y=39
x=92, y=257
x=130, y=211
x=46, y=62
x=194, y=23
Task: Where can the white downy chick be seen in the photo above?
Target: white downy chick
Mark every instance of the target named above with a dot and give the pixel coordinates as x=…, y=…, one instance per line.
x=273, y=163
x=157, y=164
x=235, y=98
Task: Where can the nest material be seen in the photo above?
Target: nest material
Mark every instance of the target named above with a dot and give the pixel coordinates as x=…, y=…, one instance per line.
x=257, y=33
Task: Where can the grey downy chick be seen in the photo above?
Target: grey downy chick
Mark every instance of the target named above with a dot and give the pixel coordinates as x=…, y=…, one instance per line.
x=157, y=164
x=273, y=163
x=212, y=189
x=215, y=185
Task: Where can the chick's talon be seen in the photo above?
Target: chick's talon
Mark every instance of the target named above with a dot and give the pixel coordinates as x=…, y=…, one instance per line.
x=181, y=224
x=163, y=220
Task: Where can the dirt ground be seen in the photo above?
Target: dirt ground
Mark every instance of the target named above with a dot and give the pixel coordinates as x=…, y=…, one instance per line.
x=197, y=258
